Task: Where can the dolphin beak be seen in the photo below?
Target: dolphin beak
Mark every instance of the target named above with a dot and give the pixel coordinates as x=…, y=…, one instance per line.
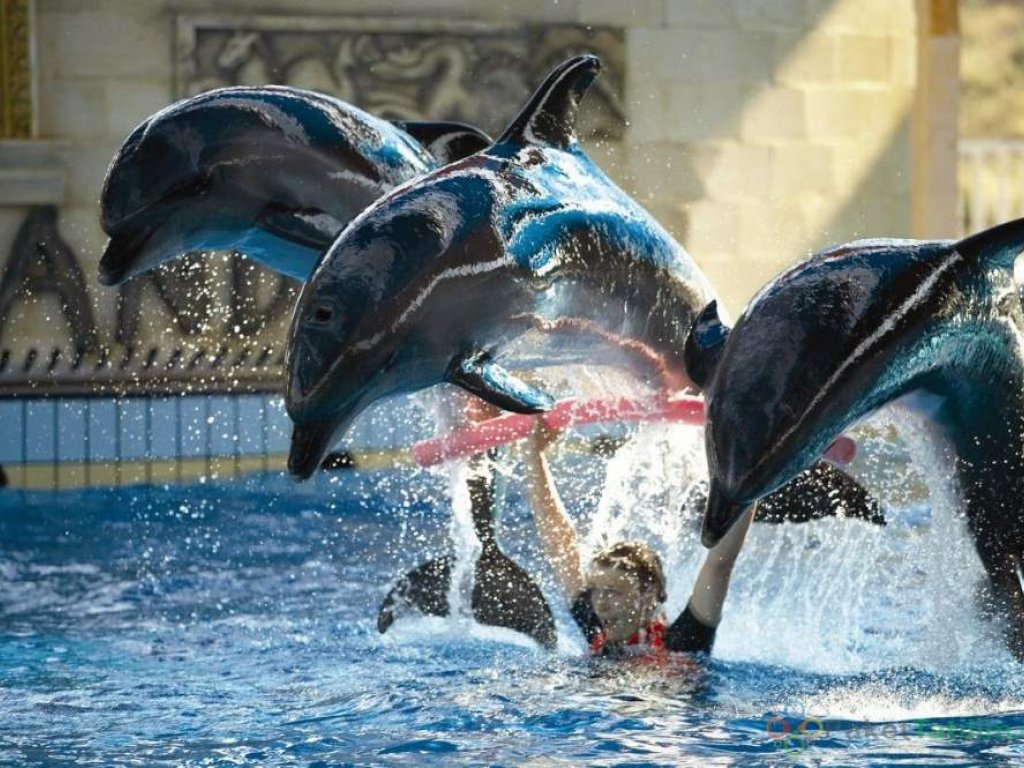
x=114, y=262
x=719, y=515
x=119, y=259
x=310, y=443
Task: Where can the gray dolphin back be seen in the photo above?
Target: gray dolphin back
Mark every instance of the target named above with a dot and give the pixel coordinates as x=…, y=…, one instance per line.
x=256, y=170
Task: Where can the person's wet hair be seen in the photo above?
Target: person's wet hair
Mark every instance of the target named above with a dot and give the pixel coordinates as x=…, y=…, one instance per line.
x=637, y=559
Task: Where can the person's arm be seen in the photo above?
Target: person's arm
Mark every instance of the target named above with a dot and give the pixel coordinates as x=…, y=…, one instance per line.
x=694, y=630
x=557, y=533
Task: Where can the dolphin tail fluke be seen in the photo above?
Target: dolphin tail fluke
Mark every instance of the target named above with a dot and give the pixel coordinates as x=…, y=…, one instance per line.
x=821, y=491
x=447, y=141
x=998, y=246
x=479, y=374
x=704, y=345
x=549, y=117
x=504, y=595
x=483, y=497
x=423, y=589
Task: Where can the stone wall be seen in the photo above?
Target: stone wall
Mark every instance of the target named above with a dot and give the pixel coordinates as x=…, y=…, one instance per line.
x=757, y=130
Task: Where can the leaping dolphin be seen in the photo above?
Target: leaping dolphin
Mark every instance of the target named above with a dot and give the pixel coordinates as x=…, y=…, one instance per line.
x=853, y=328
x=439, y=279
x=273, y=172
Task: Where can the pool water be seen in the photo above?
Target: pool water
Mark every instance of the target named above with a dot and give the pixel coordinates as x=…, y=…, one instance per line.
x=234, y=623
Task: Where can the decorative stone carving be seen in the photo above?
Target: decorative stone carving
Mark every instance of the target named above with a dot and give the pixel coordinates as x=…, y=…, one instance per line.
x=402, y=69
x=42, y=262
x=16, y=69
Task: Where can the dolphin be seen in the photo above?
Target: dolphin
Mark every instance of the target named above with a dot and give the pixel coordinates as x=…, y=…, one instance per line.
x=855, y=327
x=442, y=279
x=272, y=172
x=503, y=594
x=476, y=247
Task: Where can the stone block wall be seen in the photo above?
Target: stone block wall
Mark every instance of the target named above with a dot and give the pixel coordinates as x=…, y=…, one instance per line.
x=763, y=130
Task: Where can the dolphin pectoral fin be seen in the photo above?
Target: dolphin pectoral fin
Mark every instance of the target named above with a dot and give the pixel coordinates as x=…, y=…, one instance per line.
x=821, y=491
x=447, y=141
x=310, y=227
x=424, y=589
x=704, y=345
x=489, y=381
x=720, y=514
x=549, y=117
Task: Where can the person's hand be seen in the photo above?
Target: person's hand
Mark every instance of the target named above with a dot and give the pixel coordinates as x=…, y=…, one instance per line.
x=542, y=436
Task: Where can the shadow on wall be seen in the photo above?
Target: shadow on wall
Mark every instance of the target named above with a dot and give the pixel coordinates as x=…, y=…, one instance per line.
x=751, y=172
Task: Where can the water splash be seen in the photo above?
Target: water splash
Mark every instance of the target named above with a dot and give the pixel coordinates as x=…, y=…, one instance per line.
x=835, y=595
x=466, y=546
x=843, y=596
x=647, y=496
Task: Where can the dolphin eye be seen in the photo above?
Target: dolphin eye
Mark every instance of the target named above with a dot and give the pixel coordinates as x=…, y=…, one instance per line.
x=323, y=314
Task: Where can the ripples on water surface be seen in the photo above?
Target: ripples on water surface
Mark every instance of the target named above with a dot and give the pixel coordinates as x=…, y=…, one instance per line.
x=234, y=624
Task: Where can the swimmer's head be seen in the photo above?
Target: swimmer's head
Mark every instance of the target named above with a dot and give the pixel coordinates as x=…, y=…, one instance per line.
x=627, y=587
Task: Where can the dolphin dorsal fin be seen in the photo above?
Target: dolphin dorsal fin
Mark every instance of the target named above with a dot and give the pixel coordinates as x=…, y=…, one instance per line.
x=704, y=344
x=998, y=246
x=446, y=141
x=549, y=117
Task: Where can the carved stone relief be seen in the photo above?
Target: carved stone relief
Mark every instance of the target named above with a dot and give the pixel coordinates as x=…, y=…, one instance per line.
x=41, y=262
x=479, y=73
x=16, y=108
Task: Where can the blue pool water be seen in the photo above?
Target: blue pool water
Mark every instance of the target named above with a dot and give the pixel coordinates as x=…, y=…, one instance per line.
x=234, y=624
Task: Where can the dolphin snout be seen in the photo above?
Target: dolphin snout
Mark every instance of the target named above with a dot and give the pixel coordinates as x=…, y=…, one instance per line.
x=310, y=443
x=305, y=371
x=719, y=515
x=118, y=259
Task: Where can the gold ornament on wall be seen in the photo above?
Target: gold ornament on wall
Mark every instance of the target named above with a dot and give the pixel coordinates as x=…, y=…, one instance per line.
x=16, y=69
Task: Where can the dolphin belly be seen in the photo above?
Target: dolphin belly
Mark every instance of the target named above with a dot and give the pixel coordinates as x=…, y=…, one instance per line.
x=123, y=260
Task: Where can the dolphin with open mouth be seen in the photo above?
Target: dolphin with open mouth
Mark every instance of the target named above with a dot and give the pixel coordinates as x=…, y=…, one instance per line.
x=273, y=172
x=855, y=327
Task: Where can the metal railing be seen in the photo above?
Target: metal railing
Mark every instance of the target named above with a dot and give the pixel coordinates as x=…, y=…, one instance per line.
x=991, y=182
x=57, y=372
